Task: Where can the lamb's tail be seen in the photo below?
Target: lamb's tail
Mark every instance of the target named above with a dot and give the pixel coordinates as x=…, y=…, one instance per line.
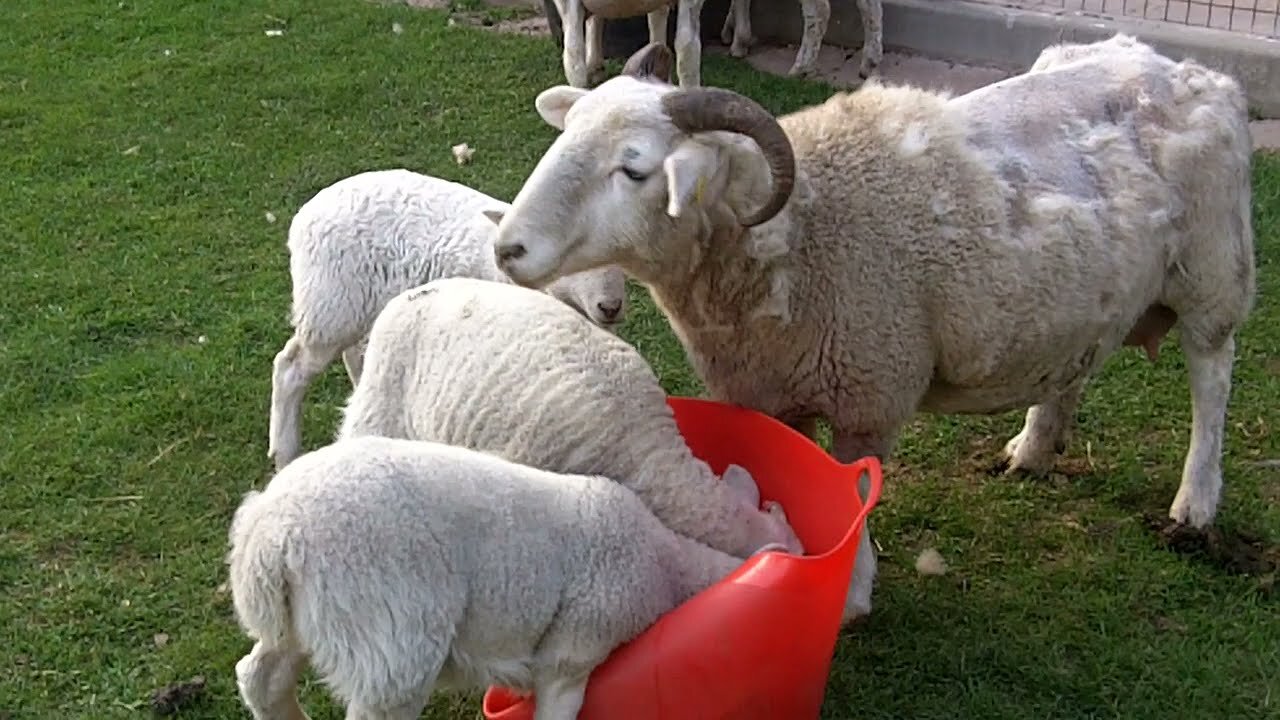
x=258, y=566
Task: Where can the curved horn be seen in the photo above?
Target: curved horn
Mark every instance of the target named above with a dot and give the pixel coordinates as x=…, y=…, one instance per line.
x=705, y=109
x=651, y=61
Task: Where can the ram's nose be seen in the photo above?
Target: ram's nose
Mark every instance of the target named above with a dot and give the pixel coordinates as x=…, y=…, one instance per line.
x=506, y=253
x=609, y=310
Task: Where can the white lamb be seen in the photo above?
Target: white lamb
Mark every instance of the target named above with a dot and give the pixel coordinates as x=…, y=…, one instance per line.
x=507, y=370
x=396, y=567
x=895, y=250
x=359, y=242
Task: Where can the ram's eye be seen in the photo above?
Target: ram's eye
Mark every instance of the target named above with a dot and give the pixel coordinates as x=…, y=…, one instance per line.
x=634, y=174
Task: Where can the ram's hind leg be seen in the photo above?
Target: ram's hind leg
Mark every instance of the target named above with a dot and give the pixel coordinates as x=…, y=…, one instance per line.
x=293, y=369
x=267, y=679
x=1044, y=434
x=1209, y=368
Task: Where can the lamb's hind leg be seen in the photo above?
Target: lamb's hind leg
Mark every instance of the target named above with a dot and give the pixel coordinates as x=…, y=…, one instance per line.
x=560, y=698
x=1209, y=369
x=1044, y=434
x=267, y=679
x=816, y=15
x=293, y=369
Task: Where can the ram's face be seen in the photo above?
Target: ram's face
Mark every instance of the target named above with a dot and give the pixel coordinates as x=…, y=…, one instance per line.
x=599, y=194
x=635, y=163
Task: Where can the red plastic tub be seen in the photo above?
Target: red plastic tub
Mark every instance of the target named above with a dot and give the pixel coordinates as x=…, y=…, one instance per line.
x=758, y=644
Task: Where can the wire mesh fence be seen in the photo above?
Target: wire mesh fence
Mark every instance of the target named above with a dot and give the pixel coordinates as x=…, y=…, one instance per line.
x=1253, y=17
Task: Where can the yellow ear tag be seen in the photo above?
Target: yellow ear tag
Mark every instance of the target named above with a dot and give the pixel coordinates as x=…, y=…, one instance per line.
x=698, y=188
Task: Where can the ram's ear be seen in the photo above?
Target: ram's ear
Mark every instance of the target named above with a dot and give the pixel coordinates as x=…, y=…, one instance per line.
x=554, y=103
x=494, y=215
x=692, y=171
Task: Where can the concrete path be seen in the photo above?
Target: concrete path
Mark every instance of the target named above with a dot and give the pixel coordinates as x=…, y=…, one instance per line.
x=840, y=67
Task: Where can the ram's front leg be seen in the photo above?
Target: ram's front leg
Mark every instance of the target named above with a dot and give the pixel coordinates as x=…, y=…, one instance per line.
x=848, y=447
x=1044, y=434
x=689, y=43
x=573, y=21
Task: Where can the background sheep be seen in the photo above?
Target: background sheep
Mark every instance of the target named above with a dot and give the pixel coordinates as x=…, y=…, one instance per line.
x=359, y=242
x=376, y=560
x=507, y=370
x=895, y=250
x=584, y=57
x=737, y=34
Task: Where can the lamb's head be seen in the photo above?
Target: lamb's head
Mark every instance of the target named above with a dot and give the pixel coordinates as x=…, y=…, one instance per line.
x=640, y=173
x=768, y=525
x=599, y=294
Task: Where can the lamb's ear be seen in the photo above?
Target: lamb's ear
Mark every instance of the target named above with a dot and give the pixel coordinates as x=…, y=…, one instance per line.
x=738, y=479
x=554, y=103
x=691, y=171
x=494, y=215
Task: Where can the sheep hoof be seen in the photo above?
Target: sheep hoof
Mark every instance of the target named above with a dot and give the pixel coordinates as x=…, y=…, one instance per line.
x=1028, y=455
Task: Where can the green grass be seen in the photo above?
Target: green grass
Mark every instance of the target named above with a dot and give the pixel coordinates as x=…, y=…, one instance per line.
x=142, y=145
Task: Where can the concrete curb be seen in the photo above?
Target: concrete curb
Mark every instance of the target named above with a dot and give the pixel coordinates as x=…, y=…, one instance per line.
x=1011, y=38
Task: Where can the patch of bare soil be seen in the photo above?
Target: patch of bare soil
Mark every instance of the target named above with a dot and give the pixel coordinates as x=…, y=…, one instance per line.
x=172, y=698
x=1238, y=552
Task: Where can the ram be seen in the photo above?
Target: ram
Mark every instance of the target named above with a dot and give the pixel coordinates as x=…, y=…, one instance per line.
x=360, y=241
x=895, y=250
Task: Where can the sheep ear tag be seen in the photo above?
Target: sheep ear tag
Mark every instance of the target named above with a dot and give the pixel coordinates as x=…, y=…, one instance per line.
x=688, y=169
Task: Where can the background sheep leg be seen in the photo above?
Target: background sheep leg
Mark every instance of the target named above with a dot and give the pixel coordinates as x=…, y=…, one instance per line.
x=573, y=21
x=688, y=43
x=872, y=37
x=816, y=14
x=737, y=28
x=595, y=50
x=295, y=366
x=267, y=678
x=1044, y=434
x=849, y=447
x=658, y=24
x=353, y=359
x=1209, y=370
x=559, y=698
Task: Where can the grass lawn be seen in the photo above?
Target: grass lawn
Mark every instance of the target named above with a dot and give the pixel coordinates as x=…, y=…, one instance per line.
x=152, y=155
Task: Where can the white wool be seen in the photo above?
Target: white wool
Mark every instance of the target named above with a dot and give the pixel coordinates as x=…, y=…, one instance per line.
x=507, y=370
x=363, y=239
x=967, y=254
x=396, y=567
